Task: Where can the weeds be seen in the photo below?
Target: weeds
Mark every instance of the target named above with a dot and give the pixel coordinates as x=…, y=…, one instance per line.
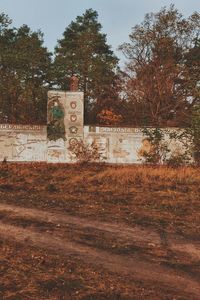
x=129, y=193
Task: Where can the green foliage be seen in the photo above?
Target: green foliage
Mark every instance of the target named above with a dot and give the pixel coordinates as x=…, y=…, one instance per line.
x=194, y=131
x=4, y=22
x=56, y=126
x=24, y=74
x=158, y=146
x=160, y=150
x=189, y=136
x=84, y=51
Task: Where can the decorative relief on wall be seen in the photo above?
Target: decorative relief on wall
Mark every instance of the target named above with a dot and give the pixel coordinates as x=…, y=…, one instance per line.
x=73, y=141
x=73, y=129
x=73, y=104
x=22, y=142
x=65, y=123
x=73, y=118
x=56, y=114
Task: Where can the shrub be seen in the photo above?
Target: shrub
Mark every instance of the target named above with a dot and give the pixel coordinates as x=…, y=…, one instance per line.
x=158, y=150
x=177, y=160
x=82, y=152
x=52, y=188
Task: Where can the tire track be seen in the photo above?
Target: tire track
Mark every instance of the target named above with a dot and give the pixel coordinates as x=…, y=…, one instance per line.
x=133, y=265
x=136, y=233
x=138, y=269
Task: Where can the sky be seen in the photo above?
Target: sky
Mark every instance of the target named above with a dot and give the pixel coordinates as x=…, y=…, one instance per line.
x=116, y=16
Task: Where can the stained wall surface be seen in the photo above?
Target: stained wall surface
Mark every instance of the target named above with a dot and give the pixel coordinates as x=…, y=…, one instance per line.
x=22, y=142
x=124, y=145
x=117, y=144
x=64, y=124
x=65, y=111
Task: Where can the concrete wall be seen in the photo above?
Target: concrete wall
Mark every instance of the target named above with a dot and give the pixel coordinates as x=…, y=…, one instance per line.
x=117, y=144
x=23, y=142
x=65, y=126
x=126, y=145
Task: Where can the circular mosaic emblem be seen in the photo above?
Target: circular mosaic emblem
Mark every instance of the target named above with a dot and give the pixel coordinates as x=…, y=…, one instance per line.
x=73, y=104
x=73, y=118
x=73, y=129
x=73, y=141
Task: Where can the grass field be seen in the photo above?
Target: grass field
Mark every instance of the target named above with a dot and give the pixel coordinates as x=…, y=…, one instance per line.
x=99, y=232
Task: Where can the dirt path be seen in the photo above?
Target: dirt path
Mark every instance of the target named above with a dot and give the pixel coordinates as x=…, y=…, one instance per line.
x=136, y=233
x=132, y=264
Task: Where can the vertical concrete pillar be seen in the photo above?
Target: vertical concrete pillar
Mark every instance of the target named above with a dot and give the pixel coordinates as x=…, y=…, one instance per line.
x=64, y=123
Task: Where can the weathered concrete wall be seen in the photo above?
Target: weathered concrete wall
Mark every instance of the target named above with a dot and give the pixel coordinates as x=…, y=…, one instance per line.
x=127, y=145
x=117, y=144
x=65, y=123
x=51, y=143
x=23, y=142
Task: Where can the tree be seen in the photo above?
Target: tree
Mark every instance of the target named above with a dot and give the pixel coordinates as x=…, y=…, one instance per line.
x=108, y=117
x=24, y=73
x=192, y=134
x=161, y=87
x=84, y=52
x=192, y=63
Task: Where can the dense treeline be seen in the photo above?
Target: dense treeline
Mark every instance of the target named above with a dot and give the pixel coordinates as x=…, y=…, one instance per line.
x=159, y=86
x=24, y=74
x=162, y=83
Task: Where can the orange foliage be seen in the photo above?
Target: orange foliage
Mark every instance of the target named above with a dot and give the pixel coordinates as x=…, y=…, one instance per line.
x=108, y=117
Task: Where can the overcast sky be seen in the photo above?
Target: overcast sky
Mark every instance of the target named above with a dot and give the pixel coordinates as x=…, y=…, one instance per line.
x=116, y=16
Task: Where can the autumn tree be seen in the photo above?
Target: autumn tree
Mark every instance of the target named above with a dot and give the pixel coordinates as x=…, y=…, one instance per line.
x=83, y=51
x=192, y=64
x=24, y=72
x=161, y=76
x=108, y=117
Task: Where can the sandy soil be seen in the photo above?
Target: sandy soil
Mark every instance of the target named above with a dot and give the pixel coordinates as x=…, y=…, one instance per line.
x=108, y=245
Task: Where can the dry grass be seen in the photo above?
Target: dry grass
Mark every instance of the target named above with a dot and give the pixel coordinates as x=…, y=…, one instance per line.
x=53, y=278
x=144, y=175
x=152, y=196
x=165, y=199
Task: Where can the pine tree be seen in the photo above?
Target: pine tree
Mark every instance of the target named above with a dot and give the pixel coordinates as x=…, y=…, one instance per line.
x=84, y=52
x=24, y=72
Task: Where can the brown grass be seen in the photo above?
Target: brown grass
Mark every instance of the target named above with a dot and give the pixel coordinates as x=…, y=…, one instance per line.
x=161, y=198
x=152, y=196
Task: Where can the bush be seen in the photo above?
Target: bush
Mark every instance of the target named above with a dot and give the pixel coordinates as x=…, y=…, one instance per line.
x=158, y=150
x=177, y=160
x=85, y=153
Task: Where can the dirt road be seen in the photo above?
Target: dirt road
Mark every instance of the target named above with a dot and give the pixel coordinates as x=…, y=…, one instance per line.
x=141, y=253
